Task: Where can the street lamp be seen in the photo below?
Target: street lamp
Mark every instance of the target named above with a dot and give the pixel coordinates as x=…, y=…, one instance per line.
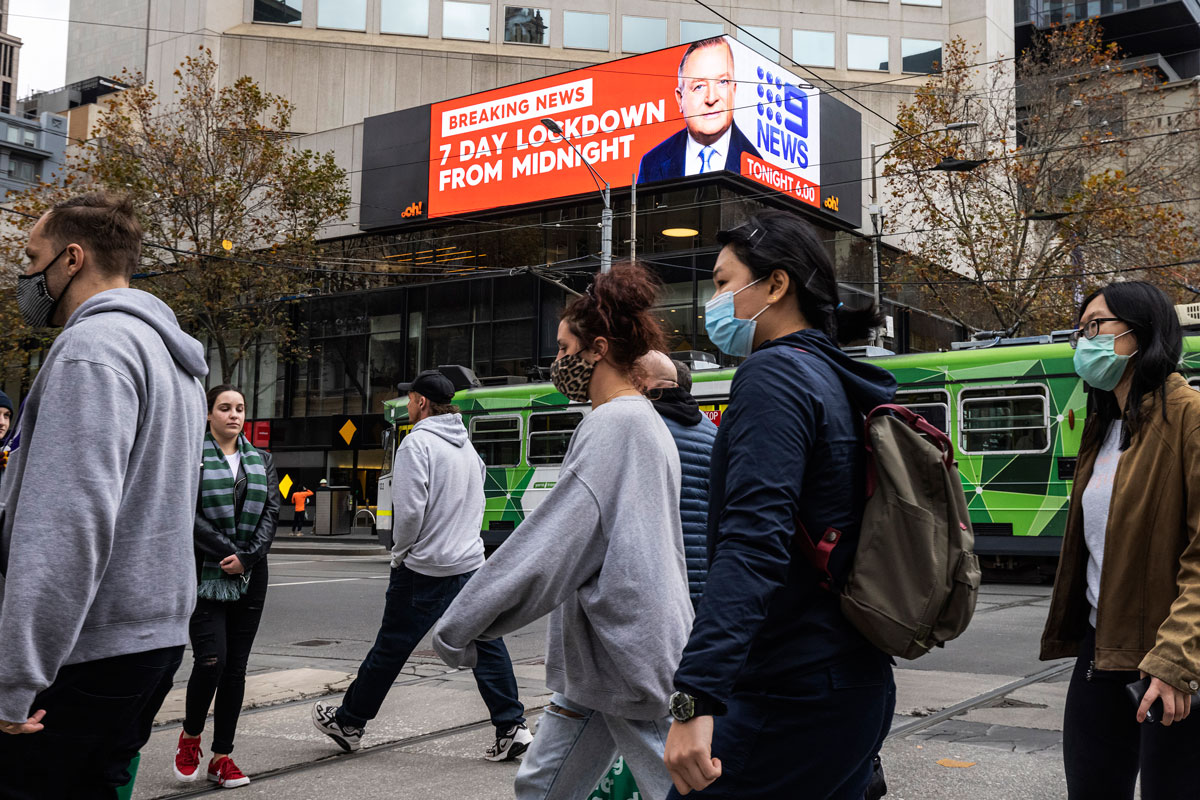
x=945, y=165
x=606, y=216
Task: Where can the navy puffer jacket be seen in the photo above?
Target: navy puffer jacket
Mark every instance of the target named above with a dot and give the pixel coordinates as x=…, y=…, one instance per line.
x=694, y=435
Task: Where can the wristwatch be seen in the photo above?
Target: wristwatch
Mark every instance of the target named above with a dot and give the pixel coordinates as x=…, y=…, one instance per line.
x=684, y=707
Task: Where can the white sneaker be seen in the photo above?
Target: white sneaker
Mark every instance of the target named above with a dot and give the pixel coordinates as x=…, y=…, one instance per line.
x=510, y=745
x=324, y=717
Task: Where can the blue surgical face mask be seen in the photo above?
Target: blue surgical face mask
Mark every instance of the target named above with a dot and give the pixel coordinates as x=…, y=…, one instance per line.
x=731, y=335
x=1098, y=363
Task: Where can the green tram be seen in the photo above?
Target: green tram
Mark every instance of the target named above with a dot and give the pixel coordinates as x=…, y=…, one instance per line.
x=1013, y=408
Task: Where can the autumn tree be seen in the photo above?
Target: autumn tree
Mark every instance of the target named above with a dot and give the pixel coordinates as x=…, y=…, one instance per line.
x=1088, y=170
x=230, y=207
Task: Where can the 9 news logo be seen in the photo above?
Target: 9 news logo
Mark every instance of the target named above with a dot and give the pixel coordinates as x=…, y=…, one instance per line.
x=782, y=119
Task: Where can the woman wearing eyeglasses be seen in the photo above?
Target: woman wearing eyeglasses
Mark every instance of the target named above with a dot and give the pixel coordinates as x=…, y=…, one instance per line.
x=1126, y=600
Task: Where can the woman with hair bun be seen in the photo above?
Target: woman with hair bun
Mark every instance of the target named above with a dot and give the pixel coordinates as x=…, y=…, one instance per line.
x=777, y=695
x=603, y=554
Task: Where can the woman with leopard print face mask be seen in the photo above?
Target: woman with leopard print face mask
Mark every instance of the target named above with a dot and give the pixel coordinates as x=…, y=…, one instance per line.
x=603, y=553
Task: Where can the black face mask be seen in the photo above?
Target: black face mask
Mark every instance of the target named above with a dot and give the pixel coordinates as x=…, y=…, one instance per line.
x=33, y=295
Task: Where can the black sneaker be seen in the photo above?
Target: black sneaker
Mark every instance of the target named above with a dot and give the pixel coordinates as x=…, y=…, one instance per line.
x=324, y=717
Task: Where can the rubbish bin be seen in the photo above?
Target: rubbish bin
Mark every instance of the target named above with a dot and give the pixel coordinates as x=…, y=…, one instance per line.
x=333, y=512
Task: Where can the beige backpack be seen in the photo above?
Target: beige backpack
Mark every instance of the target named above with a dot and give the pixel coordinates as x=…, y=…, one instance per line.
x=915, y=578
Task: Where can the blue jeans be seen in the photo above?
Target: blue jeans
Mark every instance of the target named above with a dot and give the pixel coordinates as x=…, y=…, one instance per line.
x=818, y=742
x=414, y=603
x=575, y=746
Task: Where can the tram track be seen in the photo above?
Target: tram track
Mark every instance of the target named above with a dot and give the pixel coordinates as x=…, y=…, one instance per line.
x=979, y=700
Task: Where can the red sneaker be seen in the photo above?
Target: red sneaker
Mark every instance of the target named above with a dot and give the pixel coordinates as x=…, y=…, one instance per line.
x=226, y=774
x=187, y=758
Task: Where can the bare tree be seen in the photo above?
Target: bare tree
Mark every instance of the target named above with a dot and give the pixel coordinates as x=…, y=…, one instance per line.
x=1089, y=169
x=230, y=207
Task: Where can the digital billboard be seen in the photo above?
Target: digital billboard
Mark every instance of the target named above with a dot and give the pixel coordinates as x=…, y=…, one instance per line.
x=711, y=106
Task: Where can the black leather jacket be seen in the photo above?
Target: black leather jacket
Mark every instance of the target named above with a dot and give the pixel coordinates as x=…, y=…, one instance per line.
x=211, y=543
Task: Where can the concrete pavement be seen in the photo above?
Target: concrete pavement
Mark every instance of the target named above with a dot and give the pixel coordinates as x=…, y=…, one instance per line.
x=430, y=736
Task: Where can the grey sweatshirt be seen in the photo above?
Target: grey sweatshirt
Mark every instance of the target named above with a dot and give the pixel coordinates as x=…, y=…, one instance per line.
x=97, y=503
x=437, y=499
x=603, y=553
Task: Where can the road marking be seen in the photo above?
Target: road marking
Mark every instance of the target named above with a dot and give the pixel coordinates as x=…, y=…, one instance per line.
x=332, y=580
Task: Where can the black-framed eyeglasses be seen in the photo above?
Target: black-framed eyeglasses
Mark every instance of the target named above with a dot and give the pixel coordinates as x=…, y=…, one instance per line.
x=1090, y=330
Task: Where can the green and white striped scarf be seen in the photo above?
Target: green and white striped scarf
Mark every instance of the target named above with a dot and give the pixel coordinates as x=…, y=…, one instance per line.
x=217, y=503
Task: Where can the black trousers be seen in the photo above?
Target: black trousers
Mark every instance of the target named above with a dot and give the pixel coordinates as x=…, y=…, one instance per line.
x=222, y=635
x=817, y=743
x=98, y=716
x=1104, y=746
x=414, y=603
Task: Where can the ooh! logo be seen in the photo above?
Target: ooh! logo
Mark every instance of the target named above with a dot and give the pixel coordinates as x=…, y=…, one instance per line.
x=783, y=119
x=415, y=210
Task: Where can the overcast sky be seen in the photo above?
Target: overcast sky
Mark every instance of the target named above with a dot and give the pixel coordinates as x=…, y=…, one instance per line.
x=42, y=28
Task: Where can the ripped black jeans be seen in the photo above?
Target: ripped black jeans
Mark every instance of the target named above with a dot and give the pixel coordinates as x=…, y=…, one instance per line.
x=222, y=635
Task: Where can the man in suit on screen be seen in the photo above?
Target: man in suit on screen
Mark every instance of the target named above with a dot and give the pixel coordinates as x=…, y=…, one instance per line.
x=710, y=141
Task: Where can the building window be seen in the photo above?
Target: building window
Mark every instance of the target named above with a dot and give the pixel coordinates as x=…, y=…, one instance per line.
x=1004, y=419
x=867, y=52
x=407, y=17
x=583, y=30
x=643, y=34
x=921, y=55
x=695, y=31
x=13, y=134
x=28, y=138
x=349, y=15
x=6, y=60
x=22, y=169
x=6, y=99
x=937, y=3
x=549, y=434
x=813, y=48
x=497, y=440
x=466, y=21
x=750, y=35
x=281, y=12
x=526, y=25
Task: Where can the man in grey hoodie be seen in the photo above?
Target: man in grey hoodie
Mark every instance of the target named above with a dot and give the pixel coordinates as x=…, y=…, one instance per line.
x=437, y=510
x=97, y=577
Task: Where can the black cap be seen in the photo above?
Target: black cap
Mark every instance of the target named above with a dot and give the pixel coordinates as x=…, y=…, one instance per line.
x=432, y=384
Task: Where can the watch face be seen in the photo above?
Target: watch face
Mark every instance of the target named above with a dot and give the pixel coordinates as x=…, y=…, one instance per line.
x=682, y=706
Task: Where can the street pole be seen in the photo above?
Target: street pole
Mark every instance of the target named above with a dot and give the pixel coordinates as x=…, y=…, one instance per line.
x=606, y=233
x=875, y=213
x=633, y=221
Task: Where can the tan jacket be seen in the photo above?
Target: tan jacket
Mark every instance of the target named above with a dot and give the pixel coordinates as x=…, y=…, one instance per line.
x=1149, y=611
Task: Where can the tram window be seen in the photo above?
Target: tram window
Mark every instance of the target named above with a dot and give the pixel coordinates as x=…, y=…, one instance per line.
x=933, y=405
x=498, y=440
x=549, y=435
x=1008, y=419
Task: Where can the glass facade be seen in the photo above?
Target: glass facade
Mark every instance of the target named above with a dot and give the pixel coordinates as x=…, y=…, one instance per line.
x=813, y=48
x=466, y=21
x=867, y=52
x=282, y=12
x=526, y=25
x=921, y=55
x=763, y=40
x=643, y=34
x=1044, y=13
x=407, y=17
x=695, y=31
x=585, y=31
x=348, y=15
